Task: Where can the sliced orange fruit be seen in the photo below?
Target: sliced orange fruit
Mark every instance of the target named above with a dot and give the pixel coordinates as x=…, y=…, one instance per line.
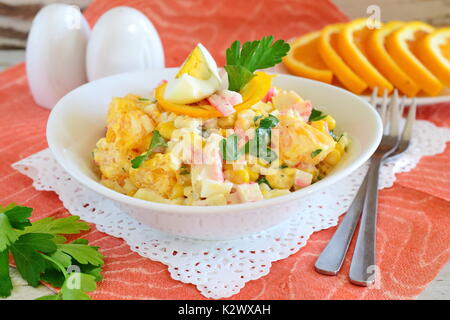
x=401, y=47
x=252, y=92
x=351, y=41
x=378, y=55
x=434, y=52
x=329, y=52
x=304, y=60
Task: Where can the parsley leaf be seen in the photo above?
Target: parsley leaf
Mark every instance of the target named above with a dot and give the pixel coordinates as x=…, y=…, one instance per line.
x=315, y=152
x=229, y=148
x=269, y=122
x=5, y=279
x=83, y=253
x=238, y=76
x=29, y=261
x=156, y=142
x=41, y=254
x=12, y=217
x=316, y=115
x=74, y=288
x=18, y=217
x=68, y=225
x=7, y=234
x=254, y=55
x=259, y=145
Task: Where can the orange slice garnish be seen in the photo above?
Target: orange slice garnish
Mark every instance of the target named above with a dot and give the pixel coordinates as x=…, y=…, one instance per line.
x=434, y=52
x=304, y=60
x=352, y=41
x=401, y=47
x=253, y=92
x=378, y=55
x=330, y=54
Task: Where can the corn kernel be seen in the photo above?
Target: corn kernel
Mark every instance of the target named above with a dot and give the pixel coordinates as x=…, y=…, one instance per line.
x=237, y=176
x=320, y=125
x=227, y=122
x=282, y=179
x=252, y=174
x=330, y=121
x=339, y=148
x=333, y=157
x=166, y=129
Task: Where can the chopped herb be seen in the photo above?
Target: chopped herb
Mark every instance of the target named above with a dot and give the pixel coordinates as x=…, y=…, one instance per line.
x=316, y=115
x=259, y=145
x=315, y=153
x=283, y=166
x=143, y=99
x=269, y=122
x=254, y=55
x=156, y=142
x=319, y=178
x=335, y=137
x=229, y=148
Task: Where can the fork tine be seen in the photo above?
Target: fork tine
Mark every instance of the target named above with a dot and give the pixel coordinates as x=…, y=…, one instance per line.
x=373, y=98
x=407, y=130
x=383, y=107
x=394, y=115
x=403, y=101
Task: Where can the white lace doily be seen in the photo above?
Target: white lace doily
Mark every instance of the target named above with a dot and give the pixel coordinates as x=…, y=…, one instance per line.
x=220, y=269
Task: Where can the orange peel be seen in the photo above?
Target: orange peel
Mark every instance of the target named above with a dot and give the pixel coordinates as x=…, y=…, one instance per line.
x=378, y=55
x=329, y=52
x=433, y=51
x=352, y=47
x=304, y=59
x=401, y=47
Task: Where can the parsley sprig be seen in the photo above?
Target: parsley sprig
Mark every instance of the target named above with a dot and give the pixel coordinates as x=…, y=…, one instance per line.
x=254, y=55
x=41, y=253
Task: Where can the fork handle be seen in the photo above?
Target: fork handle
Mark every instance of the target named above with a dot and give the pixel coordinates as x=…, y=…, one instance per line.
x=363, y=265
x=331, y=259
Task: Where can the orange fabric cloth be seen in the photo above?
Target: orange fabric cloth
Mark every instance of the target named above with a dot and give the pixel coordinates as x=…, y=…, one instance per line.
x=414, y=215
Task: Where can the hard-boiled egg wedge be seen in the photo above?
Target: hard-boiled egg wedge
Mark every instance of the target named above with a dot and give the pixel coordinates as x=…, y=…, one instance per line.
x=197, y=79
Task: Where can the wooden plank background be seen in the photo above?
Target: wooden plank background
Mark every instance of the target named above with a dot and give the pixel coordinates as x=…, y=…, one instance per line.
x=16, y=15
x=435, y=12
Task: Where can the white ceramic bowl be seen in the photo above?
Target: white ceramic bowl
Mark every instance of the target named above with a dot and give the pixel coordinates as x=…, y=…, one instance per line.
x=79, y=118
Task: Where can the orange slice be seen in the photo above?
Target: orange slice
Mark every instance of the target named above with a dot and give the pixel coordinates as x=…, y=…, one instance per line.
x=351, y=42
x=434, y=52
x=401, y=45
x=378, y=55
x=304, y=60
x=253, y=92
x=329, y=52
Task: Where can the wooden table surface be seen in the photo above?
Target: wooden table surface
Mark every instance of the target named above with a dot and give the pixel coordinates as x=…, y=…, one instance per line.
x=436, y=12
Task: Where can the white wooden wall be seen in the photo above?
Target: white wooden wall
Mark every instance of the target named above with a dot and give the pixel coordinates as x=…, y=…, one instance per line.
x=435, y=12
x=16, y=17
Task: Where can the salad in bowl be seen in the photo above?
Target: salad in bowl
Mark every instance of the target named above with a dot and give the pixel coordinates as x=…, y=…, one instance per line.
x=211, y=153
x=215, y=137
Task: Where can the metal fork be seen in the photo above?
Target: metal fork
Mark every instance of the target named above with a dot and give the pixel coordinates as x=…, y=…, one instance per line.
x=331, y=259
